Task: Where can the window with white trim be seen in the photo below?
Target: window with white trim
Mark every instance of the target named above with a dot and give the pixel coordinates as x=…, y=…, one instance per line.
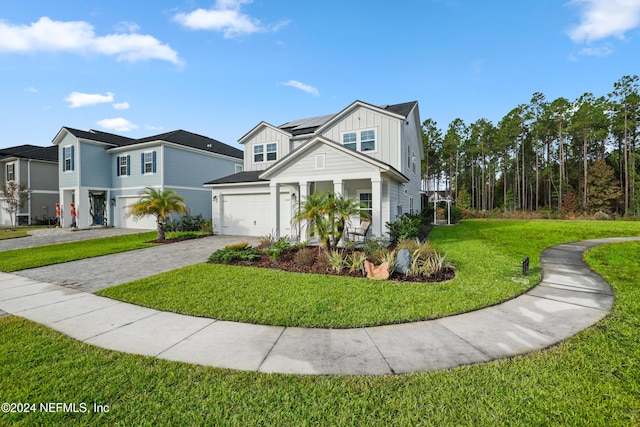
x=67, y=158
x=362, y=140
x=148, y=162
x=11, y=171
x=265, y=152
x=239, y=168
x=366, y=206
x=123, y=165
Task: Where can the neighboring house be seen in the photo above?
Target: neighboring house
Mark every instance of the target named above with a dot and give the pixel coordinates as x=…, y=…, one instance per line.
x=365, y=152
x=102, y=174
x=37, y=168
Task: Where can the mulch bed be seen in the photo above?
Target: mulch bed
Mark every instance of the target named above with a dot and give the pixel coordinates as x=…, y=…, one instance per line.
x=286, y=262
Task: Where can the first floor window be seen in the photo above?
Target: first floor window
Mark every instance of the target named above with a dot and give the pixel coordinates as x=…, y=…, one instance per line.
x=366, y=206
x=11, y=173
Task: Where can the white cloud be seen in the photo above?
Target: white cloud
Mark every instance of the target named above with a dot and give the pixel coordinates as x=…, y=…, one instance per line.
x=601, y=19
x=601, y=51
x=303, y=87
x=79, y=37
x=118, y=124
x=121, y=106
x=79, y=99
x=225, y=17
x=31, y=89
x=153, y=128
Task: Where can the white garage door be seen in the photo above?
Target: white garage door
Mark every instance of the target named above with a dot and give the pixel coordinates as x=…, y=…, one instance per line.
x=250, y=215
x=122, y=208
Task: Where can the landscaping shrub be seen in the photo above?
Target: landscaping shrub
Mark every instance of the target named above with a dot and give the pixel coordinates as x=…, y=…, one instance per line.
x=276, y=248
x=322, y=260
x=456, y=214
x=372, y=245
x=335, y=260
x=229, y=255
x=305, y=257
x=377, y=256
x=407, y=227
x=355, y=262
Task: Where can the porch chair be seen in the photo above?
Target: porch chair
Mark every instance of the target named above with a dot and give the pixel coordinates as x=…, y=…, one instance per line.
x=359, y=231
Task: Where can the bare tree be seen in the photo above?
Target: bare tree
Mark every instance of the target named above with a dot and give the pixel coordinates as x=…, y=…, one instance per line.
x=14, y=194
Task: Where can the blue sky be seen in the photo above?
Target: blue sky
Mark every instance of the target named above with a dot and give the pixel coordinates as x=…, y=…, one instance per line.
x=218, y=68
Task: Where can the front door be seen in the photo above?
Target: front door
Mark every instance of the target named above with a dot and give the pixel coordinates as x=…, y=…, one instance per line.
x=98, y=209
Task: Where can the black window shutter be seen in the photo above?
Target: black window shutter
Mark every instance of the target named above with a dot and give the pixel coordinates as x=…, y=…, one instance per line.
x=142, y=163
x=128, y=165
x=118, y=166
x=154, y=162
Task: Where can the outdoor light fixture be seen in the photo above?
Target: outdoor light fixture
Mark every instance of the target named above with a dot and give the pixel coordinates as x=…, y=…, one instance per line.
x=215, y=198
x=293, y=197
x=113, y=201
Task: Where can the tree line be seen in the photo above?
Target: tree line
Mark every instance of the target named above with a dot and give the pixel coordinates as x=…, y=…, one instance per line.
x=575, y=156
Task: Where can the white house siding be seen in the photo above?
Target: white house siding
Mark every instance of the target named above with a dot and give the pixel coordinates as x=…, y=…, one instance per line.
x=265, y=135
x=387, y=132
x=412, y=141
x=337, y=165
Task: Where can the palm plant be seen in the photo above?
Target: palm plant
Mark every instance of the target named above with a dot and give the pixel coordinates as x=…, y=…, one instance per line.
x=314, y=214
x=341, y=210
x=159, y=204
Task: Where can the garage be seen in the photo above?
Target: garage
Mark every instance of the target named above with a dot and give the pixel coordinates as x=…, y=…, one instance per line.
x=250, y=215
x=122, y=208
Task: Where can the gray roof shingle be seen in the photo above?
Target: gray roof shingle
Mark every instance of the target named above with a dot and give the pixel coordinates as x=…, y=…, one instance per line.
x=34, y=152
x=238, y=178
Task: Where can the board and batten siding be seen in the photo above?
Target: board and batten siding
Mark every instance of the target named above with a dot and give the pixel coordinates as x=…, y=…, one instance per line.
x=185, y=168
x=95, y=161
x=70, y=178
x=387, y=132
x=336, y=164
x=264, y=136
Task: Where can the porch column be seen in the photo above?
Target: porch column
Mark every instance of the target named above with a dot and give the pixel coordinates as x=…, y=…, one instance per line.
x=302, y=225
x=275, y=208
x=216, y=211
x=338, y=187
x=376, y=208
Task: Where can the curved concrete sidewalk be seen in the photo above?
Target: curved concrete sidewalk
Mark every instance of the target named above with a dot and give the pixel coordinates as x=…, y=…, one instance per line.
x=570, y=298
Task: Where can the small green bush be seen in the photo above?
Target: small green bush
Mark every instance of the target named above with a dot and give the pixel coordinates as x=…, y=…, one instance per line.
x=229, y=255
x=373, y=245
x=335, y=260
x=276, y=248
x=409, y=226
x=355, y=262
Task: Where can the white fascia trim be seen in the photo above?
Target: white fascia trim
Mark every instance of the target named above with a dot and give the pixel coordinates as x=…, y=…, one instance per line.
x=237, y=184
x=44, y=192
x=353, y=106
x=257, y=128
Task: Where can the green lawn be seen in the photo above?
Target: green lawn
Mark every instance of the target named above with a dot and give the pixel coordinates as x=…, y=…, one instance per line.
x=592, y=379
x=487, y=253
x=21, y=259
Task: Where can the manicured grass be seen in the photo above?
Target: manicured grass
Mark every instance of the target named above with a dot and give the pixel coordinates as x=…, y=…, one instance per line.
x=7, y=233
x=21, y=259
x=487, y=254
x=591, y=379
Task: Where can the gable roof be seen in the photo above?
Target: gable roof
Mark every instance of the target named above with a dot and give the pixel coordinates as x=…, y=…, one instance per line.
x=179, y=137
x=29, y=151
x=193, y=140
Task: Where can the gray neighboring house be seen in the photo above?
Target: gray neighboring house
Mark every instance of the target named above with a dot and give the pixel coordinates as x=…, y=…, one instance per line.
x=102, y=174
x=37, y=168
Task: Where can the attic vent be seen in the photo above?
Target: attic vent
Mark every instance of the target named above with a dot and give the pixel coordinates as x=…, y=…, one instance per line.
x=320, y=161
x=209, y=145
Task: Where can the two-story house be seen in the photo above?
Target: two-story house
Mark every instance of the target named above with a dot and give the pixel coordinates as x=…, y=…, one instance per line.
x=36, y=168
x=371, y=153
x=103, y=174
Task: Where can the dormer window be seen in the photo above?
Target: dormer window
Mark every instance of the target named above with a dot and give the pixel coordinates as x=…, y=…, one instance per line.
x=363, y=140
x=265, y=152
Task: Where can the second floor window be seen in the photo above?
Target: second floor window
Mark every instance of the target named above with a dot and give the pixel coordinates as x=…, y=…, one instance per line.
x=148, y=162
x=123, y=165
x=363, y=140
x=11, y=172
x=67, y=158
x=265, y=152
